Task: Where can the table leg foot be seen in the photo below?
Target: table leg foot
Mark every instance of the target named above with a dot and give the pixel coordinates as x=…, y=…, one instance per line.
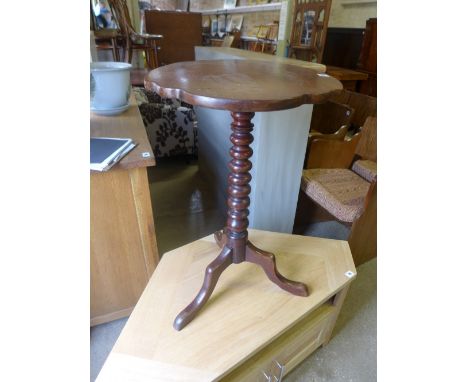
x=220, y=238
x=267, y=261
x=212, y=273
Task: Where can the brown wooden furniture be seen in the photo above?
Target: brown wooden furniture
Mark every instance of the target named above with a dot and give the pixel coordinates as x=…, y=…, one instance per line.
x=233, y=40
x=242, y=87
x=350, y=79
x=328, y=117
x=251, y=331
x=367, y=62
x=367, y=146
x=309, y=29
x=338, y=135
x=364, y=106
x=123, y=241
x=330, y=120
x=341, y=156
x=343, y=47
x=107, y=39
x=267, y=36
x=133, y=40
x=137, y=76
x=216, y=41
x=327, y=153
x=182, y=31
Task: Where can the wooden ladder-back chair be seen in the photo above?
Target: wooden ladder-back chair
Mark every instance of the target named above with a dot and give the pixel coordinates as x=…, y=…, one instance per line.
x=344, y=188
x=105, y=38
x=309, y=30
x=133, y=40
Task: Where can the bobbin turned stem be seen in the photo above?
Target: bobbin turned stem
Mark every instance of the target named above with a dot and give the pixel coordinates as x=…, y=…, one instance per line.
x=238, y=184
x=234, y=239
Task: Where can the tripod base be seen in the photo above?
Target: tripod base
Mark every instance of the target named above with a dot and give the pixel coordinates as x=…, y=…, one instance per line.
x=213, y=271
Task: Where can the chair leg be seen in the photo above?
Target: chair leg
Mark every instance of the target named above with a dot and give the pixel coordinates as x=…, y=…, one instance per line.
x=150, y=58
x=114, y=49
x=363, y=236
x=129, y=53
x=155, y=50
x=117, y=50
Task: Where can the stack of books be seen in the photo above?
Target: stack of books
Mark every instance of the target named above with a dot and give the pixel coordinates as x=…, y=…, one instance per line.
x=106, y=152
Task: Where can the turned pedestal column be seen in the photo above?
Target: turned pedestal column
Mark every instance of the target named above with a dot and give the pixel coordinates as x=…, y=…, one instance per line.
x=241, y=87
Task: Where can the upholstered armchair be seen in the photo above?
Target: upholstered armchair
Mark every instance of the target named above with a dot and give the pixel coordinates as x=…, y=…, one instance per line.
x=171, y=125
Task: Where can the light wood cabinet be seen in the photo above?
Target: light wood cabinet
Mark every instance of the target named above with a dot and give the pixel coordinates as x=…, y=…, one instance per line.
x=123, y=239
x=250, y=330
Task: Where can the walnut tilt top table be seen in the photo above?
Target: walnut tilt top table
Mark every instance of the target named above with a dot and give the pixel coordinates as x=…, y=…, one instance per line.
x=242, y=87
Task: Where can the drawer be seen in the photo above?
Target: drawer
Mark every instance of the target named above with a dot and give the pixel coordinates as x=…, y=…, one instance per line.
x=288, y=350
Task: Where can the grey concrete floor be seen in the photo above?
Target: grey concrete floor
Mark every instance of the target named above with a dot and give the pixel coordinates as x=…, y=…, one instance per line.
x=182, y=199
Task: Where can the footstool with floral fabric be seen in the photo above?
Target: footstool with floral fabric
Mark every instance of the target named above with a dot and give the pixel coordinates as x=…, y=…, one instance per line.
x=170, y=124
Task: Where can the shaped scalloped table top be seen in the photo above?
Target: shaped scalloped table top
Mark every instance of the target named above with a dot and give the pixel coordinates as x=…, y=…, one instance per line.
x=242, y=85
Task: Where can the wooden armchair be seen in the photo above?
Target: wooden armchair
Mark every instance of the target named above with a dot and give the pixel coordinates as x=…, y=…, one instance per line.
x=133, y=40
x=363, y=105
x=331, y=121
x=327, y=153
x=329, y=117
x=333, y=185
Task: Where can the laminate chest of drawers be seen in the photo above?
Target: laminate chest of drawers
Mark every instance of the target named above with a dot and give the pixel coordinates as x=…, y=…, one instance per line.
x=250, y=330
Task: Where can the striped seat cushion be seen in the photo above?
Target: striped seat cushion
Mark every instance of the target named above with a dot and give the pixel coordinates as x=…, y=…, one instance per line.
x=365, y=168
x=340, y=191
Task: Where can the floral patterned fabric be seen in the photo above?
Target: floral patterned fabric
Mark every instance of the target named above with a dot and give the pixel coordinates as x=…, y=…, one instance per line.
x=170, y=124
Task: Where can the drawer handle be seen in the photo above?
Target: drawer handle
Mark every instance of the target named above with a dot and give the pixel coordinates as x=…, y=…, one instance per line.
x=276, y=379
x=281, y=367
x=268, y=377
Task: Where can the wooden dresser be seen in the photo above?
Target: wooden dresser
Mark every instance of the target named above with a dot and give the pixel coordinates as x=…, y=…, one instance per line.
x=123, y=240
x=181, y=31
x=250, y=329
x=367, y=62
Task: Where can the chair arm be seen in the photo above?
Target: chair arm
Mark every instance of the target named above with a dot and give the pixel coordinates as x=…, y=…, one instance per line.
x=339, y=135
x=148, y=36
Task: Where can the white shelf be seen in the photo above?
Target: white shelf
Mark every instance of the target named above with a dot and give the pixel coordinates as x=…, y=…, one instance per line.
x=244, y=9
x=357, y=2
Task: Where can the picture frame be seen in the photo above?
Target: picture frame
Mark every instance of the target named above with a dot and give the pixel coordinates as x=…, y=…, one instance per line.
x=221, y=25
x=229, y=4
x=234, y=22
x=214, y=26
